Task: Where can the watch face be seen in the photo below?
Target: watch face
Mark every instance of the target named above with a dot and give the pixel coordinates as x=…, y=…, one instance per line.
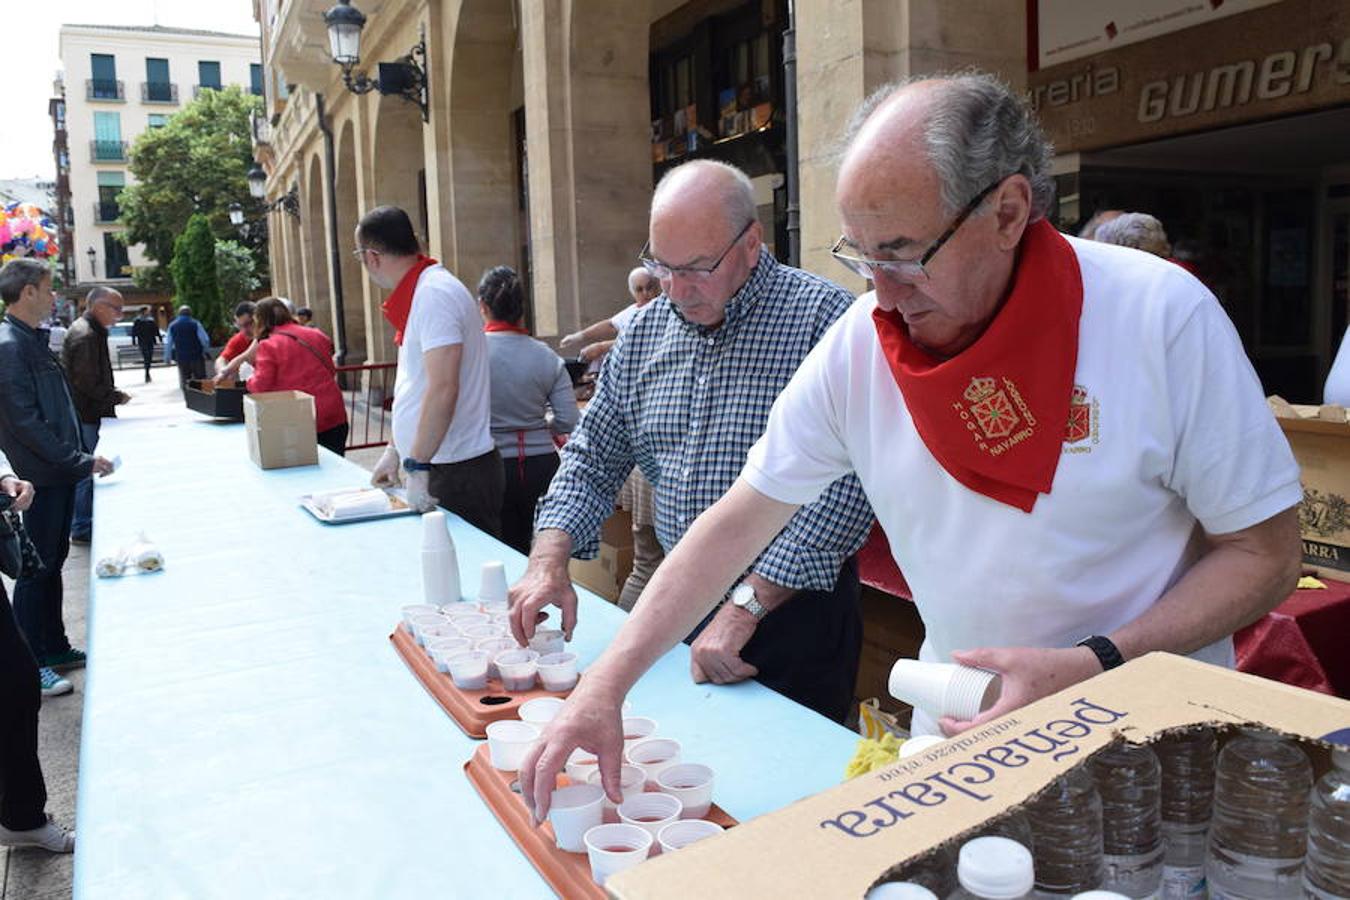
x=743, y=595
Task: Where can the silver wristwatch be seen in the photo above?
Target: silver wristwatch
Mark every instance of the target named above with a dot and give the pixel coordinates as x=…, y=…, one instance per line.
x=744, y=597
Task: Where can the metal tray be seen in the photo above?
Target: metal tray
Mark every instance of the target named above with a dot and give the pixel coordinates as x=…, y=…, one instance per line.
x=398, y=503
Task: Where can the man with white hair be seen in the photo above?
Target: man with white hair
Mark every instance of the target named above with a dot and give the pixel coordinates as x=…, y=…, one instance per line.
x=1063, y=440
x=1136, y=230
x=683, y=395
x=596, y=340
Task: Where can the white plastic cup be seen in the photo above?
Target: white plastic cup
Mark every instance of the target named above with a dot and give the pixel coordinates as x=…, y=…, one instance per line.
x=498, y=608
x=692, y=783
x=441, y=649
x=508, y=742
x=468, y=670
x=650, y=811
x=685, y=832
x=631, y=783
x=418, y=609
x=944, y=689
x=420, y=623
x=580, y=765
x=481, y=632
x=573, y=811
x=548, y=640
x=434, y=634
x=517, y=669
x=652, y=755
x=558, y=671
x=461, y=611
x=613, y=848
x=492, y=586
x=541, y=710
x=919, y=743
x=492, y=646
x=637, y=728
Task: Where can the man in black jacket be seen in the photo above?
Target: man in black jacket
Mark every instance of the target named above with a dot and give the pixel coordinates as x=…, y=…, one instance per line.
x=40, y=433
x=84, y=356
x=145, y=333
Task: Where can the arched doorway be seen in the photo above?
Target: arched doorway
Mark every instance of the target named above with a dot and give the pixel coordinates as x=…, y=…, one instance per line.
x=353, y=307
x=317, y=294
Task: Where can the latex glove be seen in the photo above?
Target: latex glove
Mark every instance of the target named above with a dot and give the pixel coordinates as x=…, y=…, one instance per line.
x=386, y=471
x=570, y=340
x=590, y=720
x=545, y=583
x=418, y=485
x=715, y=655
x=1029, y=673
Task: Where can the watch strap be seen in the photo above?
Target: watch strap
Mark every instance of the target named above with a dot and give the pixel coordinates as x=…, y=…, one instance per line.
x=1108, y=654
x=412, y=465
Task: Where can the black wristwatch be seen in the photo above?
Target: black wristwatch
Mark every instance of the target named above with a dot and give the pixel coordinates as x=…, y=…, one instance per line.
x=412, y=465
x=1108, y=654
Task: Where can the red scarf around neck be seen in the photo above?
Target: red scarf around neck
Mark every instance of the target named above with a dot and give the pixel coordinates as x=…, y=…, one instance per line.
x=398, y=305
x=493, y=325
x=994, y=416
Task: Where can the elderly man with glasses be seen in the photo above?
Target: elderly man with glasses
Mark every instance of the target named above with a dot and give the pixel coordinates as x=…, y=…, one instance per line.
x=684, y=393
x=1063, y=440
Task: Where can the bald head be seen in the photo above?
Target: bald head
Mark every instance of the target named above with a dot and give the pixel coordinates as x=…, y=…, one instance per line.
x=706, y=186
x=643, y=286
x=105, y=305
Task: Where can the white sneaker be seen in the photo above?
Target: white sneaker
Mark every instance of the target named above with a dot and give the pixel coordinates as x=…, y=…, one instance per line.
x=49, y=837
x=53, y=685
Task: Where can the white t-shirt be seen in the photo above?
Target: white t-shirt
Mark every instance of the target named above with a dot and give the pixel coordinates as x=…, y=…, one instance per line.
x=444, y=313
x=624, y=317
x=1337, y=389
x=1177, y=432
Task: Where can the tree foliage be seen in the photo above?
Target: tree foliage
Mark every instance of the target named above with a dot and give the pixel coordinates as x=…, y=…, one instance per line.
x=195, y=163
x=235, y=273
x=194, y=275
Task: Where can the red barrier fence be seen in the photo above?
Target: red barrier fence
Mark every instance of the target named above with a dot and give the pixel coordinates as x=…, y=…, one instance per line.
x=368, y=394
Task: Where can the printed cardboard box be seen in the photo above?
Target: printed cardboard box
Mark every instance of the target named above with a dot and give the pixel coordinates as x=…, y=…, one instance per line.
x=840, y=842
x=280, y=429
x=1320, y=438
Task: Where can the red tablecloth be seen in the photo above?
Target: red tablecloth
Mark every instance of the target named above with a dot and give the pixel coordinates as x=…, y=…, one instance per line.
x=1303, y=641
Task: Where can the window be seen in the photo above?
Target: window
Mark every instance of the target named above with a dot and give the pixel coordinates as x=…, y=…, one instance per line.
x=108, y=137
x=110, y=185
x=157, y=120
x=208, y=74
x=158, y=88
x=255, y=78
x=103, y=85
x=118, y=265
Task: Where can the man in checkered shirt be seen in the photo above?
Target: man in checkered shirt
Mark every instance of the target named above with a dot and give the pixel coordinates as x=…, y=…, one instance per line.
x=683, y=395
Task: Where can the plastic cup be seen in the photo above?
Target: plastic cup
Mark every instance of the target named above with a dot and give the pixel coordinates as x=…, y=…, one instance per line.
x=580, y=765
x=508, y=742
x=651, y=755
x=420, y=623
x=481, y=632
x=418, y=609
x=496, y=608
x=631, y=783
x=470, y=620
x=492, y=646
x=492, y=586
x=683, y=833
x=468, y=670
x=613, y=848
x=944, y=689
x=916, y=745
x=573, y=811
x=432, y=634
x=558, y=671
x=460, y=610
x=692, y=783
x=517, y=669
x=548, y=640
x=650, y=811
x=541, y=710
x=637, y=728
x=442, y=649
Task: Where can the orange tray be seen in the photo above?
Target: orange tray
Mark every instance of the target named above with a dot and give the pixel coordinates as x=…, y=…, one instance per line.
x=569, y=874
x=471, y=710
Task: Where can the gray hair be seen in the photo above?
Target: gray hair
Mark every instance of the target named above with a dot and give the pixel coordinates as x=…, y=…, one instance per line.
x=100, y=294
x=640, y=275
x=979, y=132
x=19, y=274
x=1138, y=230
x=736, y=193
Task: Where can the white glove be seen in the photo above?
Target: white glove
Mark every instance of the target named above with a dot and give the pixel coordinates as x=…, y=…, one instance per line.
x=387, y=469
x=419, y=494
x=570, y=340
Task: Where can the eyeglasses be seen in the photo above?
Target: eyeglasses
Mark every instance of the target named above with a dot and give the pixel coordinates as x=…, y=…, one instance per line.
x=360, y=253
x=907, y=271
x=664, y=272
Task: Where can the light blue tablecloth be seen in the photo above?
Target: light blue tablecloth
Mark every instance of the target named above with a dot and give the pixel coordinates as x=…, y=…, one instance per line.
x=249, y=732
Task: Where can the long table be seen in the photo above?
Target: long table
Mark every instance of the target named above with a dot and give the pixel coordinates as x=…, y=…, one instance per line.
x=250, y=732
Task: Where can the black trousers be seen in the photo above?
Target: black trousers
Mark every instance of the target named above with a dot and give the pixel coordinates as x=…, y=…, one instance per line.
x=147, y=357
x=23, y=793
x=335, y=439
x=191, y=369
x=471, y=489
x=38, y=598
x=526, y=481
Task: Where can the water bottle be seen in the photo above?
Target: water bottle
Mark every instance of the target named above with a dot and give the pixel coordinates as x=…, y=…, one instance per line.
x=900, y=890
x=994, y=868
x=1129, y=781
x=1326, y=872
x=1066, y=831
x=1260, y=832
x=440, y=564
x=933, y=873
x=1187, y=802
x=1013, y=826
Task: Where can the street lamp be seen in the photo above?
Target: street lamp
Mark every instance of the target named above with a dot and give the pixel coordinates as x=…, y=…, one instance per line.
x=93, y=261
x=406, y=78
x=257, y=181
x=236, y=215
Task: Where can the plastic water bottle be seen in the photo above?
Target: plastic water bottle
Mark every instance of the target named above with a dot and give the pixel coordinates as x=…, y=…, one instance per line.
x=1013, y=826
x=1066, y=830
x=1129, y=781
x=1260, y=831
x=933, y=873
x=900, y=890
x=994, y=868
x=440, y=563
x=1326, y=872
x=1187, y=803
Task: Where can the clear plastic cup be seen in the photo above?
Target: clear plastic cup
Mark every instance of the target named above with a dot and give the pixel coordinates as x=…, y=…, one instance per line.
x=685, y=832
x=420, y=623
x=441, y=649
x=944, y=689
x=492, y=584
x=580, y=765
x=468, y=670
x=650, y=811
x=558, y=671
x=631, y=783
x=692, y=783
x=548, y=640
x=637, y=728
x=652, y=755
x=541, y=710
x=517, y=669
x=508, y=742
x=573, y=811
x=613, y=848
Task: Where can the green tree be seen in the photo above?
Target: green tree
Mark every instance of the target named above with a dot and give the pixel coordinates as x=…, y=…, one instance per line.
x=195, y=163
x=194, y=276
x=235, y=273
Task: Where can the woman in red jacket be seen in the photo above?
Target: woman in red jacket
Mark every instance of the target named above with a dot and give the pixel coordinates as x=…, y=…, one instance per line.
x=292, y=357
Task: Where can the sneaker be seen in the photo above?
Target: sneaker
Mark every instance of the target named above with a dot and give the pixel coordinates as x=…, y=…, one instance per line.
x=71, y=659
x=53, y=685
x=80, y=540
x=49, y=837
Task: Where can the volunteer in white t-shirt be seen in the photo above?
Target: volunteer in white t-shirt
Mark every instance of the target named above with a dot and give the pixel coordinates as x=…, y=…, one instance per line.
x=442, y=408
x=596, y=340
x=1063, y=440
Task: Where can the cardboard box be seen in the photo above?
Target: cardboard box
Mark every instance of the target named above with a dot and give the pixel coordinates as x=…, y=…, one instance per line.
x=841, y=841
x=224, y=402
x=1320, y=438
x=280, y=427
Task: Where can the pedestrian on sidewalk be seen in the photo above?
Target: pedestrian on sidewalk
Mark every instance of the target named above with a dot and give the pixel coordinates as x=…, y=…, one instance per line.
x=84, y=356
x=186, y=343
x=291, y=357
x=145, y=334
x=40, y=434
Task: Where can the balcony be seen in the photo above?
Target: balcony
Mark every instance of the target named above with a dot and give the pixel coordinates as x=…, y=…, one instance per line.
x=107, y=151
x=198, y=88
x=106, y=213
x=104, y=89
x=159, y=92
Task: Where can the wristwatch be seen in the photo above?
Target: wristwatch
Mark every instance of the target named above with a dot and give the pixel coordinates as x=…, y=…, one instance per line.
x=1108, y=654
x=744, y=597
x=412, y=465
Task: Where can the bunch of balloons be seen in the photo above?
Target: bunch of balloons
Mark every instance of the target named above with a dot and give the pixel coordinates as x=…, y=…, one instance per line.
x=25, y=230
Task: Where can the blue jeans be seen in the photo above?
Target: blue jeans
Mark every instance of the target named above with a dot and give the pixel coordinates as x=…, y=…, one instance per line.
x=83, y=524
x=37, y=600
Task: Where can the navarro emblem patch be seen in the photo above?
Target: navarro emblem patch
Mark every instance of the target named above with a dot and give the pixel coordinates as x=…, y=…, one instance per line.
x=995, y=415
x=1083, y=424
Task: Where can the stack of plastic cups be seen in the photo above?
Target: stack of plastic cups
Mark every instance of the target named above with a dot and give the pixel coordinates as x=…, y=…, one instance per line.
x=440, y=564
x=944, y=689
x=492, y=584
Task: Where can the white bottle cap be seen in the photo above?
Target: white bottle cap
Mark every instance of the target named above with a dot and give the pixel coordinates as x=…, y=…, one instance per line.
x=900, y=890
x=998, y=868
x=918, y=744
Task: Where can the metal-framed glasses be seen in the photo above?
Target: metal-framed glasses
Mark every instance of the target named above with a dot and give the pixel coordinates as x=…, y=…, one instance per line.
x=360, y=253
x=907, y=271
x=665, y=272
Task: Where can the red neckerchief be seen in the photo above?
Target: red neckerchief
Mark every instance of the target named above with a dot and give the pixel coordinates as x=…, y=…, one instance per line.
x=994, y=416
x=398, y=305
x=494, y=325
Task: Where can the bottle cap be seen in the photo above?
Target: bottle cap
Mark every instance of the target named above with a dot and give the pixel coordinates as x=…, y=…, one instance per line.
x=995, y=867
x=900, y=890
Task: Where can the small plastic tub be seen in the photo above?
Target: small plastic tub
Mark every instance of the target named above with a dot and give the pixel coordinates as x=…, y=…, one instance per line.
x=508, y=742
x=518, y=669
x=558, y=671
x=468, y=670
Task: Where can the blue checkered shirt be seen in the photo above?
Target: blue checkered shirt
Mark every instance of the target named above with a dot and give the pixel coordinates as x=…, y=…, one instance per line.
x=685, y=403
